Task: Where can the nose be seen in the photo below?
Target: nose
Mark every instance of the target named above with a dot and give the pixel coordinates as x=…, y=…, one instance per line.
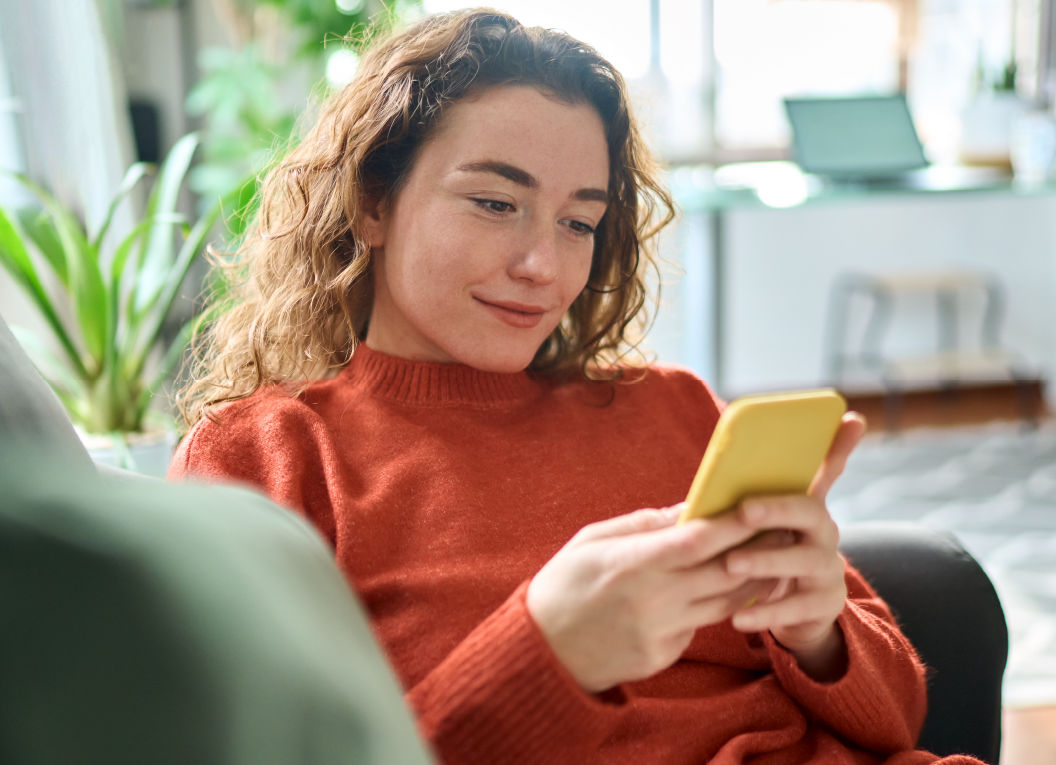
x=536, y=258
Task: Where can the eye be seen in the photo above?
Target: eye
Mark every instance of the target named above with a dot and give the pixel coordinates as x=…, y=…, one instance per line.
x=493, y=205
x=579, y=228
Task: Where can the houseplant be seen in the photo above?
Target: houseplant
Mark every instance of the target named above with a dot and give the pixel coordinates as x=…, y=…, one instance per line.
x=251, y=91
x=105, y=299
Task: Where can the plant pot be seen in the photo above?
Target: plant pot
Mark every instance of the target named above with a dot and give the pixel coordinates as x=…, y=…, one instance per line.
x=146, y=453
x=987, y=123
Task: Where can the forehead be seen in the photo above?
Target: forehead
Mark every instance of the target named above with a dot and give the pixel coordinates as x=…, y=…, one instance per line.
x=555, y=140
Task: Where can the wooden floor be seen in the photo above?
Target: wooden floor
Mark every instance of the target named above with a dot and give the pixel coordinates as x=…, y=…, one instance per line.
x=1029, y=734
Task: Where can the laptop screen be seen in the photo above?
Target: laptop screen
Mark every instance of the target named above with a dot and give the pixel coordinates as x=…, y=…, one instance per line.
x=860, y=137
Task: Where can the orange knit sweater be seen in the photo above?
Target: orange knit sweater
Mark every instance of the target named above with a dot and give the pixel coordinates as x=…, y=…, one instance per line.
x=444, y=489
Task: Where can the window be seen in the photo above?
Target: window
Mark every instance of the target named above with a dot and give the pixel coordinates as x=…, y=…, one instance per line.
x=941, y=52
x=712, y=90
x=619, y=31
x=766, y=50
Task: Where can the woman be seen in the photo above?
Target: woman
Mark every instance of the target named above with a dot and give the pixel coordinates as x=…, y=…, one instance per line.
x=425, y=360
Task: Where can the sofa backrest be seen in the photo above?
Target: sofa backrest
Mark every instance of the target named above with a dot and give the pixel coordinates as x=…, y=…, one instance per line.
x=30, y=412
x=142, y=621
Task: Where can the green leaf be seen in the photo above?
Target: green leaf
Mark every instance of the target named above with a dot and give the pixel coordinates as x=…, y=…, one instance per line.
x=245, y=207
x=90, y=303
x=115, y=325
x=213, y=179
x=41, y=230
x=121, y=253
x=14, y=257
x=132, y=177
x=161, y=302
x=205, y=95
x=217, y=58
x=85, y=275
x=154, y=264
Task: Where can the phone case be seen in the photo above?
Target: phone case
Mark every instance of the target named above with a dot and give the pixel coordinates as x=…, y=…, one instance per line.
x=770, y=444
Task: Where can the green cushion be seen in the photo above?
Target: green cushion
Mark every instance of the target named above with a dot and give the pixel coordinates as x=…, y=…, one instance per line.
x=143, y=622
x=29, y=408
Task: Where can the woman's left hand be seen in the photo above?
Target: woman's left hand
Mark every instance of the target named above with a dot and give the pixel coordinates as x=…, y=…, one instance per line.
x=801, y=613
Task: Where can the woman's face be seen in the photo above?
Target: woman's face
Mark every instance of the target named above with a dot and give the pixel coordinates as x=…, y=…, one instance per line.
x=490, y=240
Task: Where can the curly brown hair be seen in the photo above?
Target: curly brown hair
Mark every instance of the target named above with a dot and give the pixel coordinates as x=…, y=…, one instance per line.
x=303, y=293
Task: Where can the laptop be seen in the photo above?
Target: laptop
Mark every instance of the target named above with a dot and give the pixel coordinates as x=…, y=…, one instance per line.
x=870, y=140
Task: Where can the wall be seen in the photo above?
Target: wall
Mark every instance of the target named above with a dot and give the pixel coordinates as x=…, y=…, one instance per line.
x=779, y=266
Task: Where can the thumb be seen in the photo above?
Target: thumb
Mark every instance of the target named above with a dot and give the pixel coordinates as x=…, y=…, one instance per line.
x=848, y=436
x=638, y=522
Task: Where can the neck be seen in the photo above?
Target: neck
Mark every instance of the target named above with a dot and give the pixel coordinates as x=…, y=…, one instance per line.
x=433, y=383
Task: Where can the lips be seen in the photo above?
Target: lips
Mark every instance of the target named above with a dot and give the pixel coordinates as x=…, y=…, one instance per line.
x=519, y=315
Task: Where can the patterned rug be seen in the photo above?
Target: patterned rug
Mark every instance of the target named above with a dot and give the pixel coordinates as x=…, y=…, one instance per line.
x=994, y=487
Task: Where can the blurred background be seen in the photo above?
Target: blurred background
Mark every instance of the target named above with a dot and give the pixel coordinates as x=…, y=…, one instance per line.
x=89, y=86
x=924, y=292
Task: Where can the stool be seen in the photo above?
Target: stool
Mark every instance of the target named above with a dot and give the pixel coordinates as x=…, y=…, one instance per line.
x=950, y=364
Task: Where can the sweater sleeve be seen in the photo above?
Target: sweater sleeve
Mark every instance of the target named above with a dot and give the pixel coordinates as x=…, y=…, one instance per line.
x=880, y=701
x=502, y=691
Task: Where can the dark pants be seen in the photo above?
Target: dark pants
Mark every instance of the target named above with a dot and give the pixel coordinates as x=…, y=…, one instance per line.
x=947, y=607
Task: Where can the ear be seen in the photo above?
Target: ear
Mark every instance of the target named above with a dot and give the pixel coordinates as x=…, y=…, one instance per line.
x=375, y=222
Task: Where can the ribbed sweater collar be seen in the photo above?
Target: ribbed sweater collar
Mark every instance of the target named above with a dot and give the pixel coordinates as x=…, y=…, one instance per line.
x=435, y=384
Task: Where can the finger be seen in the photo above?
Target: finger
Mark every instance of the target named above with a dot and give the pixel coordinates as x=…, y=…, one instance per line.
x=709, y=611
x=848, y=436
x=638, y=522
x=797, y=562
x=802, y=607
x=710, y=580
x=807, y=515
x=691, y=544
x=765, y=589
x=781, y=590
x=770, y=539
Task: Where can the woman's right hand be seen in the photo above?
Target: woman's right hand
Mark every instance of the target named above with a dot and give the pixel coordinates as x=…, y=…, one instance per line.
x=622, y=600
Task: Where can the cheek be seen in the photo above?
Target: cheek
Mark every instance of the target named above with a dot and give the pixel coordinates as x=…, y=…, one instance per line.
x=580, y=274
x=420, y=287
x=416, y=263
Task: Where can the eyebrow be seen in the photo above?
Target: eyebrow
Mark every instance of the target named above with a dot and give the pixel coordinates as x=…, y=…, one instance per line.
x=526, y=179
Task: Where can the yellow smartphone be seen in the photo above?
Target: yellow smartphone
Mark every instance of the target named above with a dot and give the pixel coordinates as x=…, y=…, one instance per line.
x=768, y=444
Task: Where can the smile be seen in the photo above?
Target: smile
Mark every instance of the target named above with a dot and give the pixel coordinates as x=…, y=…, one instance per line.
x=515, y=314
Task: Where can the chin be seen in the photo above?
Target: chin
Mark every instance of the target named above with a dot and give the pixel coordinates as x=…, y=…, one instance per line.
x=508, y=361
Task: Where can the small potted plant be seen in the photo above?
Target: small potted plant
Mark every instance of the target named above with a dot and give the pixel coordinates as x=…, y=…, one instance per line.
x=105, y=301
x=989, y=118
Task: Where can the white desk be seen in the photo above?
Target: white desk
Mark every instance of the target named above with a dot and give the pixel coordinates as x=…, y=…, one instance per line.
x=768, y=272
